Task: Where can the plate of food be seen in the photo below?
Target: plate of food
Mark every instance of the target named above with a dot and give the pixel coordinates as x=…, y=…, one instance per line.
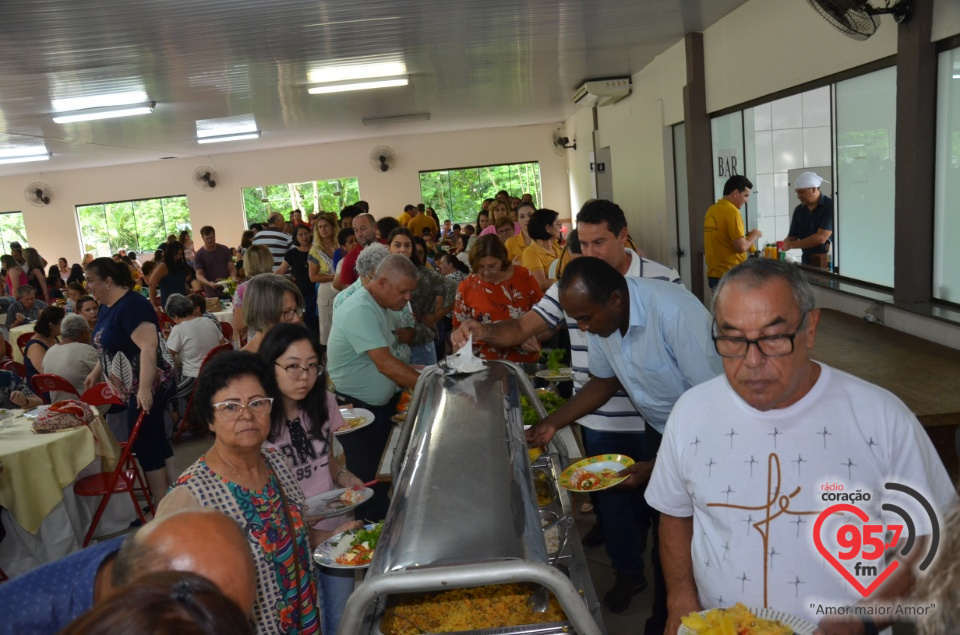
x=743, y=621
x=352, y=549
x=354, y=419
x=595, y=473
x=560, y=374
x=337, y=502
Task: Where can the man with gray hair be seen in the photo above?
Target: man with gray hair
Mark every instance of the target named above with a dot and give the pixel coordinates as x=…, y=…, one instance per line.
x=749, y=460
x=73, y=358
x=367, y=263
x=275, y=239
x=26, y=309
x=365, y=230
x=365, y=371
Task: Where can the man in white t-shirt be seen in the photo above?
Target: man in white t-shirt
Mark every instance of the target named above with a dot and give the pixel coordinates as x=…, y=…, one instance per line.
x=615, y=427
x=750, y=459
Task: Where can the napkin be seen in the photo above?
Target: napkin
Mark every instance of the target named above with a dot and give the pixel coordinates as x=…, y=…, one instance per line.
x=464, y=361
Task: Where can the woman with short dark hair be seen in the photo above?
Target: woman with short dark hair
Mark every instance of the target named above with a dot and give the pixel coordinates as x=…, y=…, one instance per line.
x=544, y=230
x=45, y=333
x=236, y=398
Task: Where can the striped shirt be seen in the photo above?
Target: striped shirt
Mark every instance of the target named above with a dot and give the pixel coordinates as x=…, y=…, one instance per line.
x=278, y=242
x=618, y=414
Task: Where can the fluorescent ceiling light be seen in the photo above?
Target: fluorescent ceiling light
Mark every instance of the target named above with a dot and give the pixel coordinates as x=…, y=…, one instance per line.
x=23, y=154
x=227, y=128
x=107, y=112
x=99, y=101
x=375, y=121
x=340, y=87
x=229, y=137
x=359, y=70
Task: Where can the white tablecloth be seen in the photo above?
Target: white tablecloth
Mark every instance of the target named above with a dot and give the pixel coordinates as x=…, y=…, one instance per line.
x=62, y=530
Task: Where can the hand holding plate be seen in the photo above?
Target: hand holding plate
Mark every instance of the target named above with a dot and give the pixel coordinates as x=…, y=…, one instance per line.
x=637, y=474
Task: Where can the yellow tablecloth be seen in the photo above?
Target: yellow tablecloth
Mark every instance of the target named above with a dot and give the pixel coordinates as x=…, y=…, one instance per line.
x=16, y=332
x=36, y=467
x=224, y=316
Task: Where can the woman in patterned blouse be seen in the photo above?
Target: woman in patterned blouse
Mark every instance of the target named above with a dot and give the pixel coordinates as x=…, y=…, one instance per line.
x=254, y=486
x=496, y=290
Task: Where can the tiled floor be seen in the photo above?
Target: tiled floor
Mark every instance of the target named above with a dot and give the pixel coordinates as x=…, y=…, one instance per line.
x=629, y=622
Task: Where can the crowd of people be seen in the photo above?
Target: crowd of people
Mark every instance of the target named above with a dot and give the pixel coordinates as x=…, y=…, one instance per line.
x=347, y=309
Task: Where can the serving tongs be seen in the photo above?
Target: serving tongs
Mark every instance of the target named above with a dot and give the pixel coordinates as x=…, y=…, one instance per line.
x=539, y=600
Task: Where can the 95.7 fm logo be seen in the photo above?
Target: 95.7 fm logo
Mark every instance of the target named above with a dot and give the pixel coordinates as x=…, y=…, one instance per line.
x=862, y=549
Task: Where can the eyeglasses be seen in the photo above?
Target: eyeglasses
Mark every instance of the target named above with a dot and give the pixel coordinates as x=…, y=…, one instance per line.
x=779, y=345
x=291, y=314
x=295, y=371
x=230, y=410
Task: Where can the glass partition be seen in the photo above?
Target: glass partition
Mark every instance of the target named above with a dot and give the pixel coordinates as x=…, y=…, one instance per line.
x=866, y=148
x=946, y=220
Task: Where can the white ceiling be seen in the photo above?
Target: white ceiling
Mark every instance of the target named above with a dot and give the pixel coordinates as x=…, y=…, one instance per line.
x=471, y=65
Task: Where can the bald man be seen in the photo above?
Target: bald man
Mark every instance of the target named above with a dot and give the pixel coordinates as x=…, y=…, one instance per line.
x=50, y=597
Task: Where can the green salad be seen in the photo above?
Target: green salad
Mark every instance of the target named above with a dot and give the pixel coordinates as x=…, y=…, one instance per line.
x=551, y=402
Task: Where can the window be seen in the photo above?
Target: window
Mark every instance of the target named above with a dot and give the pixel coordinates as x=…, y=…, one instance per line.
x=946, y=220
x=866, y=109
x=11, y=229
x=140, y=226
x=458, y=193
x=330, y=195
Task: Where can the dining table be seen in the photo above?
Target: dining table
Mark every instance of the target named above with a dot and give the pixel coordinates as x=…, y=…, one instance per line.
x=15, y=333
x=43, y=520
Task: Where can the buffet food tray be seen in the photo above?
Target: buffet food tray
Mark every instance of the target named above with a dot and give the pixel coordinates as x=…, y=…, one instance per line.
x=464, y=511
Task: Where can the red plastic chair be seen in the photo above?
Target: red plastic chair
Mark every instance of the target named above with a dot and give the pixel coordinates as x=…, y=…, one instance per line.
x=16, y=367
x=185, y=424
x=22, y=342
x=227, y=329
x=42, y=384
x=101, y=395
x=106, y=484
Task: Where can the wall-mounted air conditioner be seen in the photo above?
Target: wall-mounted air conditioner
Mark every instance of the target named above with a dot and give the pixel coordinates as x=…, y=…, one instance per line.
x=602, y=92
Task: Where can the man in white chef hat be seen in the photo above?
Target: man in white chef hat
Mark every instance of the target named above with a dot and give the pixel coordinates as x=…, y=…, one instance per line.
x=812, y=222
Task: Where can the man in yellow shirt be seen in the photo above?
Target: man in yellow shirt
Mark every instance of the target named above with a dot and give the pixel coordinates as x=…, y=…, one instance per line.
x=724, y=243
x=408, y=212
x=419, y=220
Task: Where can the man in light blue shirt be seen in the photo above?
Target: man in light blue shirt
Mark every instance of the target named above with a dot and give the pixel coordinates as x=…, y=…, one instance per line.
x=649, y=338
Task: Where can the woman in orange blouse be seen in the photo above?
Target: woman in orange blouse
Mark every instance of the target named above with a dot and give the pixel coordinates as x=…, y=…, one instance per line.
x=496, y=290
x=544, y=229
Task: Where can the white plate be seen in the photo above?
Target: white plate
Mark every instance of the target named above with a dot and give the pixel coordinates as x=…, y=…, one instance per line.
x=799, y=625
x=335, y=546
x=328, y=506
x=562, y=374
x=353, y=413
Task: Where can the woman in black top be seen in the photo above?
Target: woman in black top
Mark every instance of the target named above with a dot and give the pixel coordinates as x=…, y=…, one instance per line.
x=296, y=263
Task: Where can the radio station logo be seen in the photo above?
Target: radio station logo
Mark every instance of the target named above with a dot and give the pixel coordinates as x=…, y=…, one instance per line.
x=864, y=546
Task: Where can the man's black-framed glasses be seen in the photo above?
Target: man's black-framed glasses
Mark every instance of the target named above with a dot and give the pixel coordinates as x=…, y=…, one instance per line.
x=779, y=345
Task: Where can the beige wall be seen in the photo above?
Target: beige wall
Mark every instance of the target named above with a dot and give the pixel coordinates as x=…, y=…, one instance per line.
x=766, y=46
x=54, y=232
x=946, y=19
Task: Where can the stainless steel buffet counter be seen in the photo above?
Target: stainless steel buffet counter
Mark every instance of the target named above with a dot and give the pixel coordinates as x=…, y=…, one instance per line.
x=464, y=511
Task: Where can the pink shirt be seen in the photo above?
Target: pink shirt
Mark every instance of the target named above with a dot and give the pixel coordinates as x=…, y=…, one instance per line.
x=493, y=230
x=312, y=471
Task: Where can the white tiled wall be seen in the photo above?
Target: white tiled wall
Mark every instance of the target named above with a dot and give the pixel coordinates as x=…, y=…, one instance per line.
x=788, y=133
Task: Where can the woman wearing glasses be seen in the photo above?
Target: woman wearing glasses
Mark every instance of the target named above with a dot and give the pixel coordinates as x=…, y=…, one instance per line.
x=253, y=485
x=270, y=300
x=301, y=429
